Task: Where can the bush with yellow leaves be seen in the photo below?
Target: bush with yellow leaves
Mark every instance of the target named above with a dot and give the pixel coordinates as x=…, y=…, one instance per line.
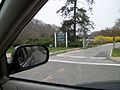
x=105, y=39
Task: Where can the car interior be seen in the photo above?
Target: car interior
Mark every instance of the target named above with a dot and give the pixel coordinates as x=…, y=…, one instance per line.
x=14, y=16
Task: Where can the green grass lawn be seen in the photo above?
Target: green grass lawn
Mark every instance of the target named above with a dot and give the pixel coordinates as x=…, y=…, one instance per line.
x=116, y=52
x=50, y=49
x=58, y=49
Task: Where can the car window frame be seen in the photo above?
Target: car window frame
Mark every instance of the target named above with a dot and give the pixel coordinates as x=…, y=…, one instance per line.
x=1, y=4
x=37, y=5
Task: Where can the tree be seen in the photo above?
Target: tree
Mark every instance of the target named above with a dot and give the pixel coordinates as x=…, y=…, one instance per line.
x=75, y=16
x=117, y=24
x=111, y=32
x=115, y=27
x=107, y=32
x=36, y=30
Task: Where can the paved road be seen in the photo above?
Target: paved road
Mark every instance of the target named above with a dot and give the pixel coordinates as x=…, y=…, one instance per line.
x=92, y=55
x=77, y=67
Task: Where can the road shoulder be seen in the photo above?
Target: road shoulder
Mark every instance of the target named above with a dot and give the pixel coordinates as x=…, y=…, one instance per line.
x=63, y=51
x=117, y=59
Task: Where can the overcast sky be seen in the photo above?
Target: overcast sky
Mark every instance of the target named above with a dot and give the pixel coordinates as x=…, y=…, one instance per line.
x=105, y=13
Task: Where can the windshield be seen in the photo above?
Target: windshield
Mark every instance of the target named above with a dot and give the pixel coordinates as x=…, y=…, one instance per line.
x=83, y=37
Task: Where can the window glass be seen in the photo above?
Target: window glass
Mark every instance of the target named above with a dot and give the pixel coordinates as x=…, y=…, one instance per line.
x=78, y=53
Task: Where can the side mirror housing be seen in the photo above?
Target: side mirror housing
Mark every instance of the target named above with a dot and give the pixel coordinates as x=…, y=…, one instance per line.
x=25, y=57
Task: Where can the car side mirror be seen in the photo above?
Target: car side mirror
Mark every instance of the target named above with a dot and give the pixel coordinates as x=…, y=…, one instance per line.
x=25, y=57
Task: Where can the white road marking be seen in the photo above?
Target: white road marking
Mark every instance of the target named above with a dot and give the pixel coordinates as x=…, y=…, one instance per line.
x=108, y=44
x=82, y=57
x=97, y=57
x=75, y=51
x=87, y=63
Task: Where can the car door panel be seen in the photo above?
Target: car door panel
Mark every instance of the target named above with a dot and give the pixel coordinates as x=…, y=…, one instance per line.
x=21, y=85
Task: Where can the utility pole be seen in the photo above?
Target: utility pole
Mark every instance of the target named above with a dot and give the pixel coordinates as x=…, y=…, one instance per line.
x=75, y=6
x=84, y=38
x=114, y=38
x=55, y=39
x=66, y=35
x=114, y=41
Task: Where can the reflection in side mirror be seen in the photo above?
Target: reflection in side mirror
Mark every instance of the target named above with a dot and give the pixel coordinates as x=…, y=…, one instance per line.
x=28, y=56
x=31, y=55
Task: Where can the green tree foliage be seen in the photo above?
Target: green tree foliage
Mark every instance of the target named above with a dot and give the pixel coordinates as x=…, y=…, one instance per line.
x=82, y=19
x=41, y=41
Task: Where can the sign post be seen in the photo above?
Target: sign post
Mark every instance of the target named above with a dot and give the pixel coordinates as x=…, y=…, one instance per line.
x=55, y=40
x=113, y=41
x=66, y=40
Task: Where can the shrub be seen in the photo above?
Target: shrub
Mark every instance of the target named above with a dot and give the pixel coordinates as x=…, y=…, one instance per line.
x=100, y=40
x=117, y=39
x=75, y=44
x=42, y=41
x=105, y=39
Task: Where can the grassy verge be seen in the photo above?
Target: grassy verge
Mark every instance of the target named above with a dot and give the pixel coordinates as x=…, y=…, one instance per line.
x=91, y=46
x=50, y=49
x=58, y=49
x=116, y=52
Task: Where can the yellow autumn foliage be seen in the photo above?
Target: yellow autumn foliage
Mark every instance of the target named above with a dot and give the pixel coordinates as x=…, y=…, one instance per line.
x=105, y=39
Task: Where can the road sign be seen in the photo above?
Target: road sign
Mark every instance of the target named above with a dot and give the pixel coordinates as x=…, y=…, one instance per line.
x=60, y=37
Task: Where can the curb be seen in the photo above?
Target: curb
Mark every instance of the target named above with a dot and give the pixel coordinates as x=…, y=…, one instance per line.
x=111, y=52
x=54, y=53
x=63, y=51
x=116, y=59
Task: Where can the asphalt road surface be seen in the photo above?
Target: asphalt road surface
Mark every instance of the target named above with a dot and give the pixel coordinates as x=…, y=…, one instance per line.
x=77, y=67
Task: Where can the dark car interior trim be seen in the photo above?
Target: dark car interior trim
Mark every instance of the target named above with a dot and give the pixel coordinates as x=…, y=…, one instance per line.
x=16, y=27
x=10, y=32
x=1, y=4
x=53, y=84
